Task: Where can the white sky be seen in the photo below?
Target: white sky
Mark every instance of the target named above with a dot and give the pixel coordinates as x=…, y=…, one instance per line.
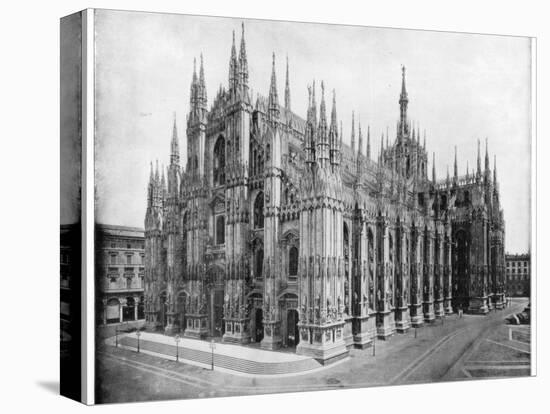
x=461, y=87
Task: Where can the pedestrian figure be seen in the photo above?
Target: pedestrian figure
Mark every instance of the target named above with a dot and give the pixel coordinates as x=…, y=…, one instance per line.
x=460, y=311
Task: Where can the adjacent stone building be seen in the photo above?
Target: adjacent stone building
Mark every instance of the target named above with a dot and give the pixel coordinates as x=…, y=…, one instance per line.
x=518, y=274
x=120, y=267
x=278, y=232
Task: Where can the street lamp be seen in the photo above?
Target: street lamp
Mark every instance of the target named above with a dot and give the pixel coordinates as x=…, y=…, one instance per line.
x=138, y=334
x=116, y=336
x=212, y=347
x=177, y=339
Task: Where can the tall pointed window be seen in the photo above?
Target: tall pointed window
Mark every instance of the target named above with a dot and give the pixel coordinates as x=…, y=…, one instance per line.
x=184, y=241
x=219, y=162
x=293, y=261
x=259, y=211
x=259, y=263
x=220, y=229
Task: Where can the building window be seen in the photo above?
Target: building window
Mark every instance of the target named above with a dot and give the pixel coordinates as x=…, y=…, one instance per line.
x=113, y=245
x=220, y=229
x=259, y=263
x=259, y=211
x=128, y=246
x=219, y=162
x=129, y=259
x=113, y=259
x=293, y=261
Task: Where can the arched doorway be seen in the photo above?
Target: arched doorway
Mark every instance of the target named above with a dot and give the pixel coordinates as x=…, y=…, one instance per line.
x=293, y=334
x=259, y=325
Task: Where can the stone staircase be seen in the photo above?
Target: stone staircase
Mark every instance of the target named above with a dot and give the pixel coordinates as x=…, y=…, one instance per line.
x=224, y=361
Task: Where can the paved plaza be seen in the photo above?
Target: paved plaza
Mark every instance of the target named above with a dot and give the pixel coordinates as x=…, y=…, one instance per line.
x=450, y=349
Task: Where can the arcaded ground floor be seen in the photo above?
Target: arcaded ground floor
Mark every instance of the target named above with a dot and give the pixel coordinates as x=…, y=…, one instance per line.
x=451, y=349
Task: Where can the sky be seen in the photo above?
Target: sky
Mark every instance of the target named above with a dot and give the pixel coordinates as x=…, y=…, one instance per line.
x=461, y=87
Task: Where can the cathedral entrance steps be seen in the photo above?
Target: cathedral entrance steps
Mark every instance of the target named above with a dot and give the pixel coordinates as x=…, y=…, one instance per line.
x=241, y=360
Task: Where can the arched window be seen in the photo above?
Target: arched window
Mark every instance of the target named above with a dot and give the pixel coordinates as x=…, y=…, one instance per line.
x=259, y=211
x=293, y=261
x=220, y=229
x=219, y=162
x=391, y=248
x=346, y=242
x=184, y=225
x=259, y=263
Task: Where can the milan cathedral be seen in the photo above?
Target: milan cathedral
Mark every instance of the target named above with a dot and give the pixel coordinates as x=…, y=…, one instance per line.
x=278, y=232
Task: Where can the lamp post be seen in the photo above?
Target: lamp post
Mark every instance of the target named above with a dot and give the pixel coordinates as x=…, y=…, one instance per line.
x=177, y=339
x=212, y=347
x=138, y=334
x=116, y=336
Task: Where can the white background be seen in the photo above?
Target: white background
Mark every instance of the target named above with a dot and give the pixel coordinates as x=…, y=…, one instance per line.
x=29, y=206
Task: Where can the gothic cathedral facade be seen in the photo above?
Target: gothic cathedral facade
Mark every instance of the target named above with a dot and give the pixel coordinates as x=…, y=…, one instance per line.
x=278, y=232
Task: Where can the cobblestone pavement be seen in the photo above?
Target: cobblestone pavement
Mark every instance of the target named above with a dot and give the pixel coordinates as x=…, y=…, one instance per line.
x=450, y=349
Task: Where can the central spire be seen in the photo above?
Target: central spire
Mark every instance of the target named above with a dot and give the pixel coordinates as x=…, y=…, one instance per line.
x=403, y=103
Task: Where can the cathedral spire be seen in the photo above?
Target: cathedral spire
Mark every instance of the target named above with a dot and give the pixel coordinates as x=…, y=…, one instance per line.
x=202, y=100
x=368, y=142
x=455, y=175
x=478, y=160
x=174, y=145
x=233, y=68
x=495, y=184
x=287, y=87
x=322, y=143
x=403, y=102
x=194, y=85
x=273, y=101
x=495, y=170
x=243, y=64
x=310, y=130
x=352, y=131
x=333, y=133
x=314, y=106
x=360, y=146
x=487, y=167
